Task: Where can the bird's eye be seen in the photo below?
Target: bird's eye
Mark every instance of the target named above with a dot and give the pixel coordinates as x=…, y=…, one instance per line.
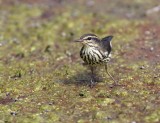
x=89, y=38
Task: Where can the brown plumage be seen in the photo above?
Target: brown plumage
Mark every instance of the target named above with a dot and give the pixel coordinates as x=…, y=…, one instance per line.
x=95, y=51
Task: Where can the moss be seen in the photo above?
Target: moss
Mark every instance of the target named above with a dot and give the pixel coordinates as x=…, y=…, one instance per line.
x=154, y=117
x=42, y=78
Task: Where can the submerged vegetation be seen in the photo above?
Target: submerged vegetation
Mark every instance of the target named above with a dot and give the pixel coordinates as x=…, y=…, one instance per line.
x=42, y=78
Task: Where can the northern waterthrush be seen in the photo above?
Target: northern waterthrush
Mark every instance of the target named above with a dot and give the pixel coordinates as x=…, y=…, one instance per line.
x=94, y=52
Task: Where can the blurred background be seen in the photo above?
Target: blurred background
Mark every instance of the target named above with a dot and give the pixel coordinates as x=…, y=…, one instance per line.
x=41, y=75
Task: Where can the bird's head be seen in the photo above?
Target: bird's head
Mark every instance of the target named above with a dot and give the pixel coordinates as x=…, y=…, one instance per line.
x=89, y=40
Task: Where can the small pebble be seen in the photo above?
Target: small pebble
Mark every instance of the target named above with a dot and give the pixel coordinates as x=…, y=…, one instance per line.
x=156, y=76
x=152, y=48
x=47, y=49
x=13, y=113
x=16, y=99
x=7, y=94
x=81, y=94
x=51, y=103
x=141, y=67
x=133, y=122
x=147, y=32
x=90, y=3
x=64, y=34
x=15, y=40
x=68, y=53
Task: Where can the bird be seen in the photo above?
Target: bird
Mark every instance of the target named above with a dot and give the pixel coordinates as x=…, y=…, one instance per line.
x=96, y=51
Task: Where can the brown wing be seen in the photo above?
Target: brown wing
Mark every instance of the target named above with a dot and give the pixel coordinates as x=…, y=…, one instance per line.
x=106, y=44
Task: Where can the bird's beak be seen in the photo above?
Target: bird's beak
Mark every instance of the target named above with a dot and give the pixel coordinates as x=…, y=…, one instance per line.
x=78, y=40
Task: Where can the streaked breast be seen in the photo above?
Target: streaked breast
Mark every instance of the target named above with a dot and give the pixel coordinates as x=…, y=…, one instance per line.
x=91, y=55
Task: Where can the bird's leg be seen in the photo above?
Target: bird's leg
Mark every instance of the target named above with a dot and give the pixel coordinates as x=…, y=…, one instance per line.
x=106, y=68
x=92, y=82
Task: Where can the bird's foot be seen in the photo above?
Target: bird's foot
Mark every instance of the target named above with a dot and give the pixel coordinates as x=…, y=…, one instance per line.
x=115, y=84
x=92, y=83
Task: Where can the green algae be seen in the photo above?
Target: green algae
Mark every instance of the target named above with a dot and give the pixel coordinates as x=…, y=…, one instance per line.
x=42, y=78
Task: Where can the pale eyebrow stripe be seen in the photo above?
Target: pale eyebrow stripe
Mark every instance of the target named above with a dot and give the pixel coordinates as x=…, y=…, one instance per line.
x=91, y=37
